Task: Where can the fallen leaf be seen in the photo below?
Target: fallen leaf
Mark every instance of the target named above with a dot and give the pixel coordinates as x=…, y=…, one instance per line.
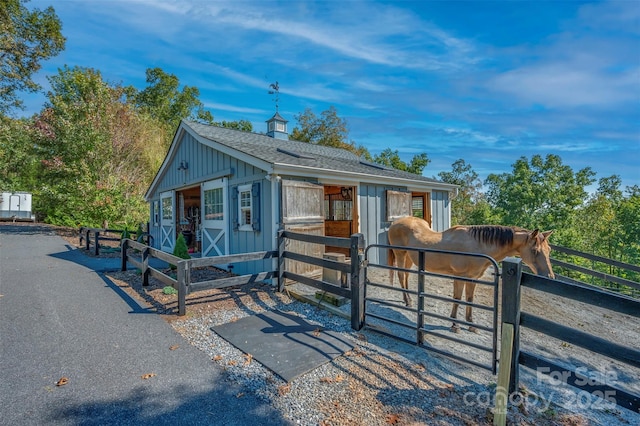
x=326, y=380
x=393, y=419
x=248, y=358
x=174, y=347
x=217, y=358
x=232, y=362
x=147, y=376
x=339, y=378
x=284, y=389
x=316, y=332
x=63, y=381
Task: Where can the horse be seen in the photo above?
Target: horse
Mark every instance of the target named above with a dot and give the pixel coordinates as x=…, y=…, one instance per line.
x=497, y=242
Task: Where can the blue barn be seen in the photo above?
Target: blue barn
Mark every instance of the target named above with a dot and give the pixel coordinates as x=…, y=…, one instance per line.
x=229, y=192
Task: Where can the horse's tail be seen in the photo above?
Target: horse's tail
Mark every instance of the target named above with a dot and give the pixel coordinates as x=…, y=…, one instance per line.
x=391, y=261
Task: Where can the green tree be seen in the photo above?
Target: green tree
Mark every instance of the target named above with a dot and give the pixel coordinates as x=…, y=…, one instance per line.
x=94, y=152
x=328, y=130
x=163, y=100
x=470, y=206
x=18, y=162
x=542, y=193
x=26, y=39
x=391, y=158
x=243, y=125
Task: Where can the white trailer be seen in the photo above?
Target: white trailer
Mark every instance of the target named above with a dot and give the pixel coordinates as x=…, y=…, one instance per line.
x=16, y=206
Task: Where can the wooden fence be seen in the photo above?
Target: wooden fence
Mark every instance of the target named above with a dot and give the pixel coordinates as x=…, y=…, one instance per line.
x=140, y=256
x=93, y=237
x=513, y=280
x=354, y=268
x=602, y=279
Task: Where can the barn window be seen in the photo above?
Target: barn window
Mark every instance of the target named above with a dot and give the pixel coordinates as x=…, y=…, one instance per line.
x=417, y=206
x=214, y=204
x=167, y=210
x=245, y=208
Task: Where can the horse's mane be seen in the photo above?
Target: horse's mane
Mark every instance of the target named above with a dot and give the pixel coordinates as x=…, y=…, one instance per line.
x=493, y=234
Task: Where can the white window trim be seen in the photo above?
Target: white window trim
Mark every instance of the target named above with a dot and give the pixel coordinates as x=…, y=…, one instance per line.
x=247, y=226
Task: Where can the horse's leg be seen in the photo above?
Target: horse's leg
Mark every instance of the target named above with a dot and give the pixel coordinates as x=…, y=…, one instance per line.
x=391, y=261
x=469, y=289
x=458, y=286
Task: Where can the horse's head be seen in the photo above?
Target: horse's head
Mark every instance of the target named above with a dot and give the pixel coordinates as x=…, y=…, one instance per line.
x=535, y=253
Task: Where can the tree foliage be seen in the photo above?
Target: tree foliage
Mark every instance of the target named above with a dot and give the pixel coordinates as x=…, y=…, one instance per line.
x=541, y=193
x=163, y=100
x=470, y=206
x=391, y=158
x=331, y=130
x=26, y=39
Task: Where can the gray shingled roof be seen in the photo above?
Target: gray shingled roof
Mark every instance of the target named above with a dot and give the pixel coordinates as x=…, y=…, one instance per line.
x=294, y=153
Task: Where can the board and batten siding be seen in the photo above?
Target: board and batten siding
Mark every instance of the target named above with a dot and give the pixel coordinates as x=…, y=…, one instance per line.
x=206, y=163
x=440, y=211
x=373, y=216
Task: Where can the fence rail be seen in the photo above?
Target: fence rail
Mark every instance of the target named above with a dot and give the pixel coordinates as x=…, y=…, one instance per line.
x=513, y=280
x=182, y=283
x=93, y=236
x=628, y=286
x=355, y=244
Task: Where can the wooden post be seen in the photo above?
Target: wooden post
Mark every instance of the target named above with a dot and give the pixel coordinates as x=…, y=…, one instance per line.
x=511, y=276
x=502, y=396
x=357, y=282
x=87, y=241
x=97, y=237
x=182, y=287
x=80, y=236
x=145, y=267
x=124, y=245
x=281, y=263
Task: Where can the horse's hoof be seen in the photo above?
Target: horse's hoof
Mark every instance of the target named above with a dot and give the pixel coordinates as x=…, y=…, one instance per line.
x=473, y=329
x=455, y=328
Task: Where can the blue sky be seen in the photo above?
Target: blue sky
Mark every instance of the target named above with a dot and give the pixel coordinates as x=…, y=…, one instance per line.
x=488, y=82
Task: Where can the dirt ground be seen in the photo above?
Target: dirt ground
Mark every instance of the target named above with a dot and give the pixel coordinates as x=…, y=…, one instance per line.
x=622, y=329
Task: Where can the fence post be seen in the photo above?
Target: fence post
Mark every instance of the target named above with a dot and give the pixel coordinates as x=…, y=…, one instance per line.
x=511, y=276
x=145, y=267
x=357, y=282
x=80, y=236
x=281, y=260
x=420, y=318
x=87, y=241
x=97, y=236
x=182, y=287
x=124, y=245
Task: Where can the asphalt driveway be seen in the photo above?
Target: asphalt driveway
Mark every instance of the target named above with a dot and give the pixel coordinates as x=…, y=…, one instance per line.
x=60, y=317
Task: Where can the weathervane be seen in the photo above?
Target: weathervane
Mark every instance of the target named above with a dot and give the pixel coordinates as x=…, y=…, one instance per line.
x=276, y=90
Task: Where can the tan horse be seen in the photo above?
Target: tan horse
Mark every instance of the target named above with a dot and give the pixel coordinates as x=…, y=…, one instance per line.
x=497, y=242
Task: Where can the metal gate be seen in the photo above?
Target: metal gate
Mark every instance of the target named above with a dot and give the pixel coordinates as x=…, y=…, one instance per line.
x=421, y=323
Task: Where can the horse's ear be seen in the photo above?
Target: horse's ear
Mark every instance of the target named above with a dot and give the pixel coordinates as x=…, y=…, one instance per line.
x=546, y=234
x=534, y=234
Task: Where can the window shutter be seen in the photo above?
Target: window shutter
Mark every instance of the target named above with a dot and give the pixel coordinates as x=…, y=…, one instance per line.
x=234, y=208
x=255, y=204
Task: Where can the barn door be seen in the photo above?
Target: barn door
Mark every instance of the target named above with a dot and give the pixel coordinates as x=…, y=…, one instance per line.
x=303, y=212
x=215, y=218
x=168, y=222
